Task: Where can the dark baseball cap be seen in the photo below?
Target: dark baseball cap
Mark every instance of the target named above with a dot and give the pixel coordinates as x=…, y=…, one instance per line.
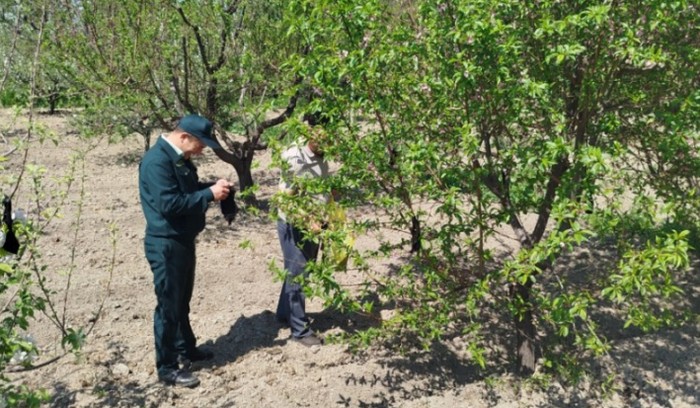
x=199, y=127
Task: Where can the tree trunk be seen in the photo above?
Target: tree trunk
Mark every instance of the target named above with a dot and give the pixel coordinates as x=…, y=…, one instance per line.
x=245, y=177
x=525, y=330
x=146, y=141
x=53, y=103
x=415, y=235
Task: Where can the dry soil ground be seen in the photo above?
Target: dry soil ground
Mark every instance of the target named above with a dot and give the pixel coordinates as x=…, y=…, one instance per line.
x=256, y=365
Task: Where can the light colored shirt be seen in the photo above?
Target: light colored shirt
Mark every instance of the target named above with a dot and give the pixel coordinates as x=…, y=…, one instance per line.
x=302, y=163
x=177, y=149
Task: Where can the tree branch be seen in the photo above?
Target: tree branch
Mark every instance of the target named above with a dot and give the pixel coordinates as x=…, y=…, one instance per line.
x=200, y=41
x=545, y=209
x=291, y=106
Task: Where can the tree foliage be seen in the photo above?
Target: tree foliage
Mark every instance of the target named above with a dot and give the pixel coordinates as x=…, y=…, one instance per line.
x=144, y=64
x=20, y=24
x=561, y=122
x=24, y=288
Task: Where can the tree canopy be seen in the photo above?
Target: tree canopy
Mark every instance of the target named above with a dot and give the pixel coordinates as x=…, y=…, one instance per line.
x=562, y=121
x=144, y=64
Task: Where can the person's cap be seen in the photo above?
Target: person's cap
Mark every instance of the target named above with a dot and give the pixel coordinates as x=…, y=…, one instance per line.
x=200, y=128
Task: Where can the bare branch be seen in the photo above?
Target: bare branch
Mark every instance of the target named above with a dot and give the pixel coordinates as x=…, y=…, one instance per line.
x=200, y=41
x=266, y=124
x=545, y=209
x=156, y=88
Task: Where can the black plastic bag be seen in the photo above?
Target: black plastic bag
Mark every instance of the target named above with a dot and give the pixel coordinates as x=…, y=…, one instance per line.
x=229, y=208
x=11, y=243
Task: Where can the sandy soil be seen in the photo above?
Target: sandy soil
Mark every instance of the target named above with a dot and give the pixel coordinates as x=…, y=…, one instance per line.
x=256, y=365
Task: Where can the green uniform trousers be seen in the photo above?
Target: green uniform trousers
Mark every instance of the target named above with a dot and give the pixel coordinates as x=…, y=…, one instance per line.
x=172, y=263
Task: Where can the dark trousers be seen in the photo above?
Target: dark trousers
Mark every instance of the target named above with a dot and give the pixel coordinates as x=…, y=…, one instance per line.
x=172, y=263
x=297, y=252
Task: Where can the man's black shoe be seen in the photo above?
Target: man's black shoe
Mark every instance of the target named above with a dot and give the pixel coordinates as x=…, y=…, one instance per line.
x=180, y=378
x=308, y=341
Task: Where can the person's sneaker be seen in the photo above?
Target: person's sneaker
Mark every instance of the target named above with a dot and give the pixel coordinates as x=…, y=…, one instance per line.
x=308, y=341
x=179, y=378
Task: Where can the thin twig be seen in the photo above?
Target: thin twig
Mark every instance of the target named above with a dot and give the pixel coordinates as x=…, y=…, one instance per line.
x=76, y=231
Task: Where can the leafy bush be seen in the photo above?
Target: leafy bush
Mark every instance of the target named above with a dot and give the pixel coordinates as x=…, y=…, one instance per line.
x=558, y=126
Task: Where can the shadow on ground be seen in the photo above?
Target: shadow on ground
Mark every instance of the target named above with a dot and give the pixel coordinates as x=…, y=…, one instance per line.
x=247, y=333
x=651, y=368
x=414, y=375
x=112, y=384
x=111, y=393
x=261, y=330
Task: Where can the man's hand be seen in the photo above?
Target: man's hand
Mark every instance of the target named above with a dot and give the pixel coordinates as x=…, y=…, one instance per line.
x=221, y=189
x=315, y=227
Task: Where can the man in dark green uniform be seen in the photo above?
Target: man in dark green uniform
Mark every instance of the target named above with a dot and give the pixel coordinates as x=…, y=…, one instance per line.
x=174, y=203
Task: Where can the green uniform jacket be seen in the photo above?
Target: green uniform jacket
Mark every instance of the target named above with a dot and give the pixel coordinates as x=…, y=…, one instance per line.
x=173, y=200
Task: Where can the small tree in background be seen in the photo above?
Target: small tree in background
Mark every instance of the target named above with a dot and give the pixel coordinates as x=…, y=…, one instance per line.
x=20, y=23
x=144, y=64
x=563, y=122
x=24, y=288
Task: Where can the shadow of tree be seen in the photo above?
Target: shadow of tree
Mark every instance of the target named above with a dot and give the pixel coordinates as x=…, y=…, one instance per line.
x=63, y=396
x=585, y=270
x=413, y=375
x=58, y=112
x=14, y=133
x=653, y=367
x=667, y=355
